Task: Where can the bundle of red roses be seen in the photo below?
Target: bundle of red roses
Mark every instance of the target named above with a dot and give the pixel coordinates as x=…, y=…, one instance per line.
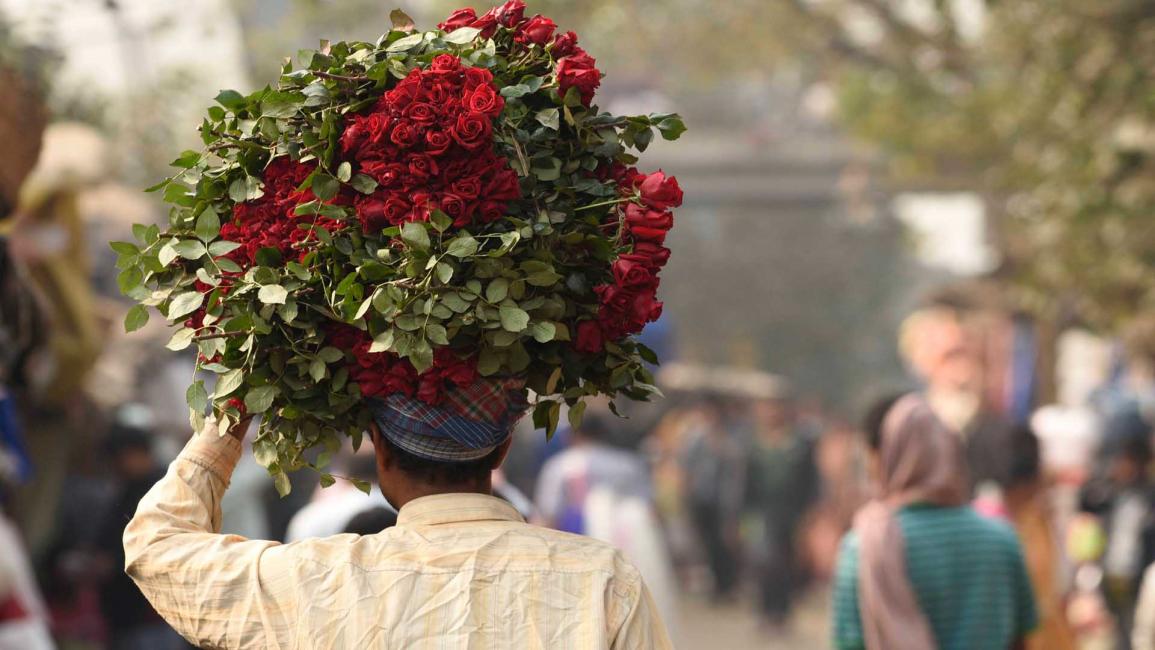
x=407, y=216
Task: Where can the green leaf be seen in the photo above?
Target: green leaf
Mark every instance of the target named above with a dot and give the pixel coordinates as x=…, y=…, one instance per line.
x=272, y=294
x=513, y=319
x=543, y=331
x=364, y=184
x=258, y=400
x=444, y=272
x=401, y=21
x=181, y=340
x=441, y=221
x=229, y=382
x=463, y=245
x=208, y=225
x=344, y=172
x=136, y=318
x=219, y=248
x=325, y=186
x=185, y=304
x=576, y=415
x=196, y=396
x=406, y=43
x=383, y=341
x=245, y=188
x=461, y=35
x=488, y=362
x=281, y=482
x=167, y=254
x=125, y=248
x=548, y=169
x=437, y=334
x=190, y=249
x=421, y=356
x=549, y=118
x=497, y=290
x=129, y=279
x=415, y=236
x=672, y=127
x=231, y=99
x=317, y=370
x=228, y=265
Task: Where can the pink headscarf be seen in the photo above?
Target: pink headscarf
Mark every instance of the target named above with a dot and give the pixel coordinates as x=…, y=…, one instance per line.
x=921, y=461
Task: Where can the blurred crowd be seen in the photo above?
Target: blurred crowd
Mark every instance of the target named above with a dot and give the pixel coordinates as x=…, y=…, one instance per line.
x=734, y=489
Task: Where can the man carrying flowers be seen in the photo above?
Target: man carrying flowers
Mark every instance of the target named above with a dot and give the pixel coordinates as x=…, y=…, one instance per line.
x=407, y=238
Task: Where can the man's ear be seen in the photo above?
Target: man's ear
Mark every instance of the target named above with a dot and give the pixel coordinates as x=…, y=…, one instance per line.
x=380, y=450
x=503, y=451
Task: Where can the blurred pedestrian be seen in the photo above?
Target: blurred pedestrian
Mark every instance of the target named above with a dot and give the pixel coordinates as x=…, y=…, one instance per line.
x=781, y=486
x=714, y=465
x=1026, y=504
x=132, y=622
x=332, y=508
x=595, y=489
x=1123, y=497
x=922, y=570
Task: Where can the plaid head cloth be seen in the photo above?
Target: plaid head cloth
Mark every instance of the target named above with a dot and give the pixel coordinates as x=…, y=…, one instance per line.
x=469, y=424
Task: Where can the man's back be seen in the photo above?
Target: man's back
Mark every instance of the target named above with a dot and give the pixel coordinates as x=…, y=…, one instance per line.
x=457, y=571
x=968, y=576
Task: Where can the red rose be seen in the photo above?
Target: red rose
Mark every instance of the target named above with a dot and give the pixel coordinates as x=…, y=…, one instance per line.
x=458, y=19
x=472, y=130
x=490, y=211
x=405, y=135
x=589, y=337
x=475, y=77
x=445, y=63
x=510, y=14
x=487, y=23
x=657, y=254
x=421, y=113
x=404, y=93
x=386, y=174
x=659, y=191
x=633, y=272
x=484, y=99
x=354, y=135
x=644, y=307
x=437, y=142
x=579, y=71
x=422, y=167
x=458, y=208
x=429, y=389
x=648, y=225
x=423, y=205
x=468, y=187
x=564, y=45
x=639, y=215
x=537, y=30
x=503, y=186
x=396, y=208
x=371, y=212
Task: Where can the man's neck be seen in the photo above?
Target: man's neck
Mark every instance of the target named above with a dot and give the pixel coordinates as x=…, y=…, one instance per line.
x=402, y=494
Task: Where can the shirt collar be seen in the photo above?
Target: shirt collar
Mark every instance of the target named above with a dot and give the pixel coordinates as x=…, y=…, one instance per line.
x=456, y=508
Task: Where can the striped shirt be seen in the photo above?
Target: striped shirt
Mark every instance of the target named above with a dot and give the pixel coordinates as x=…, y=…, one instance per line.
x=457, y=571
x=968, y=575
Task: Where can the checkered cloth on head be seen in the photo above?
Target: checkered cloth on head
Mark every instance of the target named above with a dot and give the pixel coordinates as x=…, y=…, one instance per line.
x=469, y=424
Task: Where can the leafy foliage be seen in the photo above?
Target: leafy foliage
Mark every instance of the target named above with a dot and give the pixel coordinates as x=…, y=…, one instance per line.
x=270, y=321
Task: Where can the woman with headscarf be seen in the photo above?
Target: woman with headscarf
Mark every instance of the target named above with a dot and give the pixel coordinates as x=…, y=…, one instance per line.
x=921, y=570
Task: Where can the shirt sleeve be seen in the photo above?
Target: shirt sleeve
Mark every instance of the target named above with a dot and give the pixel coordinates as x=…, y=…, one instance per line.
x=642, y=628
x=218, y=591
x=847, y=620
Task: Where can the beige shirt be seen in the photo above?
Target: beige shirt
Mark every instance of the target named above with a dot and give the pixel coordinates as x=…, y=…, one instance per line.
x=457, y=571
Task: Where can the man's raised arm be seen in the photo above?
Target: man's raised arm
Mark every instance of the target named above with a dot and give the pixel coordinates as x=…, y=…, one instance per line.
x=218, y=591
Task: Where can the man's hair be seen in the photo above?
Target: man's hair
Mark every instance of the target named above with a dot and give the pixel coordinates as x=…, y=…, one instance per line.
x=123, y=438
x=1025, y=456
x=438, y=472
x=371, y=521
x=875, y=416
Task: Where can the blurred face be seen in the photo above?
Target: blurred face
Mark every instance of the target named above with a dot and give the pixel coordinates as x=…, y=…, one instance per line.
x=773, y=413
x=133, y=463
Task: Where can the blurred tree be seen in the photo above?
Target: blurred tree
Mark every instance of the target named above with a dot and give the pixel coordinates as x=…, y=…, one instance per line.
x=1044, y=106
